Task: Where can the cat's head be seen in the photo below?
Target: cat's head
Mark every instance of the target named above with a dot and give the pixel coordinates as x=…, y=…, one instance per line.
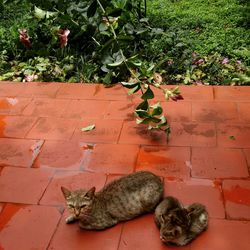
x=80, y=201
x=174, y=225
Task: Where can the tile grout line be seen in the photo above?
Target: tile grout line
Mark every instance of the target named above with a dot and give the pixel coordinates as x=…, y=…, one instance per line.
x=245, y=157
x=191, y=166
x=223, y=199
x=44, y=191
x=137, y=157
x=120, y=238
x=35, y=123
x=120, y=133
x=54, y=232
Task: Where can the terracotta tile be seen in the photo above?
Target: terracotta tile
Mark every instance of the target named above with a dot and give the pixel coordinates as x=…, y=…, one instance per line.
x=198, y=190
x=139, y=134
x=92, y=91
x=23, y=185
x=46, y=107
x=233, y=135
x=223, y=234
x=214, y=112
x=13, y=106
x=112, y=158
x=19, y=152
x=72, y=237
x=40, y=89
x=237, y=198
x=142, y=233
x=117, y=92
x=1, y=206
x=76, y=91
x=218, y=163
x=67, y=155
x=86, y=109
x=72, y=180
x=232, y=93
x=165, y=161
x=243, y=109
x=15, y=126
x=10, y=89
x=106, y=131
x=247, y=154
x=197, y=93
x=112, y=177
x=53, y=129
x=120, y=110
x=192, y=134
x=27, y=227
x=177, y=111
x=189, y=93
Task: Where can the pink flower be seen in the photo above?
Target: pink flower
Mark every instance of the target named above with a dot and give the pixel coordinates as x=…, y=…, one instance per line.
x=225, y=61
x=24, y=38
x=63, y=36
x=30, y=78
x=198, y=62
x=238, y=61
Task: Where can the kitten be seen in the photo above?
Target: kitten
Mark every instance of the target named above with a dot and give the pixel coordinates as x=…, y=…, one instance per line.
x=179, y=225
x=121, y=200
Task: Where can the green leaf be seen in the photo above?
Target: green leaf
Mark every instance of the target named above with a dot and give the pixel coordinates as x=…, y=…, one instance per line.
x=51, y=14
x=130, y=85
x=137, y=64
x=115, y=12
x=144, y=121
x=157, y=109
x=134, y=90
x=92, y=9
x=142, y=113
x=143, y=105
x=107, y=78
x=88, y=128
x=39, y=13
x=155, y=120
x=102, y=27
x=117, y=63
x=149, y=94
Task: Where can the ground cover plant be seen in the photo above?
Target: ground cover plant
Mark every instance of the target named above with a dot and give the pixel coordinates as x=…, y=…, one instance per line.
x=138, y=43
x=201, y=42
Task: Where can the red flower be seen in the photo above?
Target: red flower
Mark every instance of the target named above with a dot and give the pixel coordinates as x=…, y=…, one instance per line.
x=177, y=97
x=24, y=38
x=63, y=36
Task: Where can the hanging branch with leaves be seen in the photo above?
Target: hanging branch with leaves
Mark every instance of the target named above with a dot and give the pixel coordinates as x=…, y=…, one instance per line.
x=141, y=79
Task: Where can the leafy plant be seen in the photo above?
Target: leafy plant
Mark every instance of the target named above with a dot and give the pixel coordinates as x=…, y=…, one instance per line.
x=39, y=68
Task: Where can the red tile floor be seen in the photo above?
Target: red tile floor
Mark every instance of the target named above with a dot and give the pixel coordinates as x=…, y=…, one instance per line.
x=42, y=147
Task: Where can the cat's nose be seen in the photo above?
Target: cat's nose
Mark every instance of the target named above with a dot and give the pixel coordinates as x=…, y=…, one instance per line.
x=77, y=213
x=162, y=238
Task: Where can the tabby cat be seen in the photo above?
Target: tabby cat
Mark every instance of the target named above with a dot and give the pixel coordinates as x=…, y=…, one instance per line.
x=179, y=225
x=120, y=200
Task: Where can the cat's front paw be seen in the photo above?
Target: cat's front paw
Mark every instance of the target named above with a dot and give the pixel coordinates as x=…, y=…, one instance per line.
x=70, y=219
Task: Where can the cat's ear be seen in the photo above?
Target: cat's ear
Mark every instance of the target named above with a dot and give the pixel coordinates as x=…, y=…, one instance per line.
x=91, y=192
x=162, y=218
x=66, y=192
x=189, y=210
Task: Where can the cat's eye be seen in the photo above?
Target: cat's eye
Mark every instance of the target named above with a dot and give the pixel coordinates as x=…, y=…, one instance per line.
x=71, y=206
x=83, y=206
x=176, y=233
